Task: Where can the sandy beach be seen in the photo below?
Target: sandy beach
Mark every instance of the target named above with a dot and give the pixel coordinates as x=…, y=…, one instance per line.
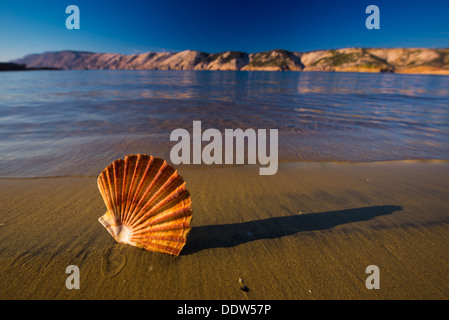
x=308, y=232
x=306, y=150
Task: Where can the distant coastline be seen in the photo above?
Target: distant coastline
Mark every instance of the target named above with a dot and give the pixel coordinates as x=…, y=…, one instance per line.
x=393, y=60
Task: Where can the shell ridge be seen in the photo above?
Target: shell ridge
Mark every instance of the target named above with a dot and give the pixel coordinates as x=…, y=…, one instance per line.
x=169, y=216
x=163, y=248
x=149, y=207
x=124, y=188
x=166, y=217
x=175, y=233
x=132, y=188
x=182, y=212
x=142, y=190
x=155, y=210
x=117, y=188
x=140, y=186
x=101, y=185
x=177, y=225
x=135, y=215
x=112, y=194
x=174, y=224
x=162, y=237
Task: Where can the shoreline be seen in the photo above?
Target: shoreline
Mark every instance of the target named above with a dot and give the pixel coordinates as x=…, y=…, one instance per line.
x=187, y=167
x=307, y=232
x=430, y=73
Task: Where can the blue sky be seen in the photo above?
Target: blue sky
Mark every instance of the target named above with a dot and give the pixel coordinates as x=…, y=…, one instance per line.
x=215, y=26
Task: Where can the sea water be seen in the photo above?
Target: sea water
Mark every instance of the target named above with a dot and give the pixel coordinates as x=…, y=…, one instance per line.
x=76, y=122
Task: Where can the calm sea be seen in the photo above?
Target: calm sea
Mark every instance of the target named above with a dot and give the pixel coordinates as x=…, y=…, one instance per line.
x=77, y=122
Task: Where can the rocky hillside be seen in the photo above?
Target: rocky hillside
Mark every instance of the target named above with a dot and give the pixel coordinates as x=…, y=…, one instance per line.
x=399, y=60
x=274, y=60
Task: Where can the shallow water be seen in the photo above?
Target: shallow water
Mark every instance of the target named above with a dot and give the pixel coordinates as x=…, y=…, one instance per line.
x=76, y=122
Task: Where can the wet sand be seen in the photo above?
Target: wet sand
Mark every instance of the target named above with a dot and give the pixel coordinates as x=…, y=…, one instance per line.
x=308, y=232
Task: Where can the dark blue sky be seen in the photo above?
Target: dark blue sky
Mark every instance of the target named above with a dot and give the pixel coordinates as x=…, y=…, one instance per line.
x=130, y=26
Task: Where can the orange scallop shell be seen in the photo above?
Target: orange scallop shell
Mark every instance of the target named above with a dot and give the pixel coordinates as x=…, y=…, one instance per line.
x=148, y=205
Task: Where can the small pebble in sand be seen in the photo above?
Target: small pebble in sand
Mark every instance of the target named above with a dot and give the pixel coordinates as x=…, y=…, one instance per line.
x=243, y=287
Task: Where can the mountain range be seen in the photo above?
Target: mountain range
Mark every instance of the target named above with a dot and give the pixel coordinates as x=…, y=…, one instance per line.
x=398, y=60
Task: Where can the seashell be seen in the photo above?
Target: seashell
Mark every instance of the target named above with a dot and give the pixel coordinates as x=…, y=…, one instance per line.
x=148, y=205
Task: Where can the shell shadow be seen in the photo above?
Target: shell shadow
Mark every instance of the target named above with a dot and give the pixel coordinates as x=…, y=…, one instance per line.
x=230, y=235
